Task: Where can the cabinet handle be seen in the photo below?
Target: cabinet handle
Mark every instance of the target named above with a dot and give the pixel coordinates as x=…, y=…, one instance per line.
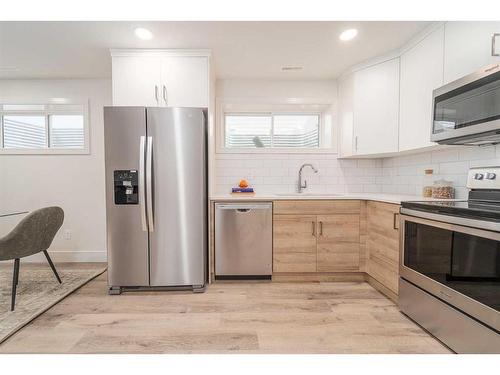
x=156, y=94
x=493, y=44
x=314, y=228
x=320, y=228
x=356, y=143
x=165, y=94
x=395, y=221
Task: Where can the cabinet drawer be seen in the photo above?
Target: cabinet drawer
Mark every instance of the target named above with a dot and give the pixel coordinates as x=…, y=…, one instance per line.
x=317, y=207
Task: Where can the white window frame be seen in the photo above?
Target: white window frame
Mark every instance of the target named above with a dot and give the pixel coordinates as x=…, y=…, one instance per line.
x=260, y=109
x=47, y=113
x=272, y=115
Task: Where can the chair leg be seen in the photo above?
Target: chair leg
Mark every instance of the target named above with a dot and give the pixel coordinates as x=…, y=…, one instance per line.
x=52, y=266
x=15, y=280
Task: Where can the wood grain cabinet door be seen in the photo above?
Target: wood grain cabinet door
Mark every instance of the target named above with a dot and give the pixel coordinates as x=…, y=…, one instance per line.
x=338, y=243
x=383, y=244
x=294, y=243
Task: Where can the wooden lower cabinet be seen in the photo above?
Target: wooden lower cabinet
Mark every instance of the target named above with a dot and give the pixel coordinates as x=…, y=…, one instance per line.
x=294, y=243
x=383, y=244
x=338, y=243
x=316, y=243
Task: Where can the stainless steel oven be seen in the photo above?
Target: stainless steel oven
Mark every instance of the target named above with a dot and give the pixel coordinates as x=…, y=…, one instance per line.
x=450, y=278
x=467, y=111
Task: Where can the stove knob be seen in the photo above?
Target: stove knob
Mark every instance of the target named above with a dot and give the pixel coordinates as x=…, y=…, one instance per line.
x=491, y=176
x=478, y=176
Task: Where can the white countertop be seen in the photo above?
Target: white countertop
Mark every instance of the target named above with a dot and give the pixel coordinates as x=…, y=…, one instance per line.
x=379, y=197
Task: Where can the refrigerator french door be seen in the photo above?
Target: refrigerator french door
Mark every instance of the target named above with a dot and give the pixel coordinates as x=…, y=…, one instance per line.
x=156, y=190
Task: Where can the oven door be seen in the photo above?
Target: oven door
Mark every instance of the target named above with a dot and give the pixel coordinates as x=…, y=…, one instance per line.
x=457, y=264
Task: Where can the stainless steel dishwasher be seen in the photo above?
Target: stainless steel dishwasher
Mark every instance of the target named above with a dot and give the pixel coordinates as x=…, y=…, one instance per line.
x=243, y=240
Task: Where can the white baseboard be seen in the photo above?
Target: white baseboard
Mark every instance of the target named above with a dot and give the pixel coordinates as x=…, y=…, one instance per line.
x=69, y=256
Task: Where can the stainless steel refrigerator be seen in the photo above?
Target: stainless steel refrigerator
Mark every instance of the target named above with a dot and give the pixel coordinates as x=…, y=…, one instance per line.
x=156, y=197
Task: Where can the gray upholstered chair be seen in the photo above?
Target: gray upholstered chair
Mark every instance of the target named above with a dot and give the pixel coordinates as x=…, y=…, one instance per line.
x=33, y=234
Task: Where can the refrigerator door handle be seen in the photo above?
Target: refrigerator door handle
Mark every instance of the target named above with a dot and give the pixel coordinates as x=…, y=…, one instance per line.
x=142, y=194
x=149, y=183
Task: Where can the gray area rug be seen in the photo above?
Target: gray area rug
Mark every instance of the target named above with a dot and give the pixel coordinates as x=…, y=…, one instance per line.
x=38, y=290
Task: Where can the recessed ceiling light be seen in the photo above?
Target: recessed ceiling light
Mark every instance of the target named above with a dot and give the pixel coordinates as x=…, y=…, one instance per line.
x=143, y=33
x=348, y=34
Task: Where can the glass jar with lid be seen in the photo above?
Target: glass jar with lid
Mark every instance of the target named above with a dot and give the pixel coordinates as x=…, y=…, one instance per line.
x=442, y=189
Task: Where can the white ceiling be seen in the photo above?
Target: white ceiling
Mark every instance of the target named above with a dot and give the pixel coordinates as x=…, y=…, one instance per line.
x=240, y=49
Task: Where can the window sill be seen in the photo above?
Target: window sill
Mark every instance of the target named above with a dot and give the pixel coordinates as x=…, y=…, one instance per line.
x=44, y=152
x=277, y=151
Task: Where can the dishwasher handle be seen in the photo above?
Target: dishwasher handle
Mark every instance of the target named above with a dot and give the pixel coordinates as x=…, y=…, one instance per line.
x=243, y=207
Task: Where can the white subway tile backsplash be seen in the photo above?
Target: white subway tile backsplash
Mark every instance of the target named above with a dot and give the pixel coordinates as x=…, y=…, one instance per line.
x=445, y=156
x=271, y=173
x=459, y=167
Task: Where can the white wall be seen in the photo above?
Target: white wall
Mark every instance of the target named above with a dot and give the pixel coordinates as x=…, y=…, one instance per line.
x=74, y=182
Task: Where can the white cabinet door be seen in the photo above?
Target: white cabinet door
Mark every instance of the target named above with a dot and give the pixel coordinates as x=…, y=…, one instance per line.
x=421, y=73
x=467, y=47
x=376, y=108
x=134, y=80
x=185, y=81
x=346, y=115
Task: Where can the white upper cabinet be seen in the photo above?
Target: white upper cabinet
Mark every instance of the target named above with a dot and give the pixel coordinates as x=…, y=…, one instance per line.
x=346, y=116
x=185, y=81
x=468, y=47
x=136, y=80
x=160, y=78
x=376, y=108
x=421, y=73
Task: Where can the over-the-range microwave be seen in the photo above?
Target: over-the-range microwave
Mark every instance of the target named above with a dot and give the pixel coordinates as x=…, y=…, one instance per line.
x=467, y=111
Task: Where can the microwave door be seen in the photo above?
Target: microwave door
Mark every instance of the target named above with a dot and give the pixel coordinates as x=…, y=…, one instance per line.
x=467, y=111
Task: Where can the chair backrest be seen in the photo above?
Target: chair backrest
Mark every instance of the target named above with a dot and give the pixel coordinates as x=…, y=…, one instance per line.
x=33, y=234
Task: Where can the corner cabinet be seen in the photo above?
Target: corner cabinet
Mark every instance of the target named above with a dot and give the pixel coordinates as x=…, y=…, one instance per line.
x=160, y=78
x=468, y=47
x=383, y=244
x=421, y=73
x=369, y=110
x=376, y=108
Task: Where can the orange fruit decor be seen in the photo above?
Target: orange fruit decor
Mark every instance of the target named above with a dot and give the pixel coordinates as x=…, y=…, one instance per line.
x=243, y=184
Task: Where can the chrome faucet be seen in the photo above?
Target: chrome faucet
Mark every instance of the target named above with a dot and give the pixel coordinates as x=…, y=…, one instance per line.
x=301, y=185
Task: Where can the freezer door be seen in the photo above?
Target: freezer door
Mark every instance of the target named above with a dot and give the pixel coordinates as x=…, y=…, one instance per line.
x=127, y=236
x=178, y=219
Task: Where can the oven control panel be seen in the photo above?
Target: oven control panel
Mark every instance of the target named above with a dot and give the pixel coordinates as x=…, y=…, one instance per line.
x=484, y=178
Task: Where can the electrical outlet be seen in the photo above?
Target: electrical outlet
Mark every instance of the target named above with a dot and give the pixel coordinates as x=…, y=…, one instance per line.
x=67, y=234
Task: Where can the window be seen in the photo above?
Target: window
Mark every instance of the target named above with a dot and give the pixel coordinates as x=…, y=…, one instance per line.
x=272, y=130
x=42, y=128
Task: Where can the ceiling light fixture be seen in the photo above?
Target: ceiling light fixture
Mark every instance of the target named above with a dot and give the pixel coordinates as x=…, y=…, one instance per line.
x=348, y=34
x=143, y=33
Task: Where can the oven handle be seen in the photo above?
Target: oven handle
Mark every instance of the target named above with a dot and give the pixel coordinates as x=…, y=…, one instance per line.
x=453, y=220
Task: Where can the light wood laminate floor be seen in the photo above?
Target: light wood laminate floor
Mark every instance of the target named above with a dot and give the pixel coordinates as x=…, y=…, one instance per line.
x=322, y=317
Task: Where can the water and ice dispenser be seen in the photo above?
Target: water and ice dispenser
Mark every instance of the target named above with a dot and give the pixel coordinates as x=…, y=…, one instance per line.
x=126, y=184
